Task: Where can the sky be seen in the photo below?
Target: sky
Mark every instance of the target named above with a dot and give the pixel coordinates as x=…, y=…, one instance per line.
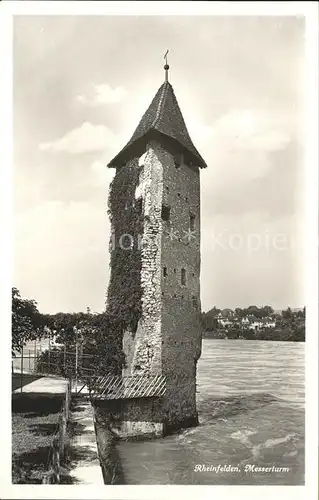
x=81, y=85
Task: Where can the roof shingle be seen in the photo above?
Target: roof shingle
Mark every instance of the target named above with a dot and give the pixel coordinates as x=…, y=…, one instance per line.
x=163, y=116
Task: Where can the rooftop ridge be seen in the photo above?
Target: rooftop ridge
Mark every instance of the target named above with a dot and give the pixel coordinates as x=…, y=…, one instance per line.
x=160, y=104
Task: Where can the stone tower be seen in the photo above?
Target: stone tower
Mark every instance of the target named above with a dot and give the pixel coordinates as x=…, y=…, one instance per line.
x=168, y=336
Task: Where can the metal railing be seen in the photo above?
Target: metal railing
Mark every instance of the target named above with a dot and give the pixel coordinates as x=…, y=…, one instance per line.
x=71, y=365
x=51, y=363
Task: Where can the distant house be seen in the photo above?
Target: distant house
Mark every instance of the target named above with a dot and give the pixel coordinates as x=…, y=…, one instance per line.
x=254, y=323
x=251, y=322
x=227, y=318
x=224, y=321
x=268, y=322
x=245, y=321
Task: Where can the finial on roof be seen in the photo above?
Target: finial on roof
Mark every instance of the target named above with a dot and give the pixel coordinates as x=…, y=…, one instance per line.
x=166, y=67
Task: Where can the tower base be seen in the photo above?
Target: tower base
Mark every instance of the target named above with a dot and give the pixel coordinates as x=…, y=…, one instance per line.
x=140, y=419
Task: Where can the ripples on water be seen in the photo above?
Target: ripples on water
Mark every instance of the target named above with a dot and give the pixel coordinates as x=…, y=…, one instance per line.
x=251, y=409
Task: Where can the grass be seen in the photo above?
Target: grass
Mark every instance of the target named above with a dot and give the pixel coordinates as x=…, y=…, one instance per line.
x=35, y=419
x=32, y=436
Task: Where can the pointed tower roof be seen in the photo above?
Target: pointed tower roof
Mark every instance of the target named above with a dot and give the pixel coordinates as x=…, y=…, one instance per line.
x=163, y=116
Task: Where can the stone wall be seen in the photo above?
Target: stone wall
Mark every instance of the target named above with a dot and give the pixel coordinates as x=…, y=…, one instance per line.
x=57, y=458
x=168, y=337
x=143, y=352
x=110, y=462
x=131, y=417
x=181, y=326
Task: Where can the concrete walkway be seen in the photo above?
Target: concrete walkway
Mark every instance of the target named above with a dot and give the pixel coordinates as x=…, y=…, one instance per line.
x=86, y=467
x=45, y=385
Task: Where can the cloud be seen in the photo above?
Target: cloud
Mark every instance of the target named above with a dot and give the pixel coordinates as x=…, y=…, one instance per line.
x=68, y=243
x=253, y=163
x=237, y=147
x=103, y=94
x=250, y=130
x=244, y=129
x=102, y=175
x=48, y=224
x=199, y=132
x=271, y=140
x=254, y=180
x=84, y=139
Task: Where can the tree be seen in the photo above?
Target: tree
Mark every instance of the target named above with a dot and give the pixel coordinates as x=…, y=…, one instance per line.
x=27, y=322
x=248, y=334
x=239, y=312
x=233, y=333
x=103, y=342
x=300, y=333
x=254, y=311
x=301, y=313
x=99, y=345
x=287, y=314
x=209, y=320
x=212, y=313
x=66, y=326
x=266, y=311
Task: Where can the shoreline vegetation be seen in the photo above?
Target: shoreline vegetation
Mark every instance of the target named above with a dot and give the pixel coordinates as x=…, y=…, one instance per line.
x=255, y=323
x=98, y=333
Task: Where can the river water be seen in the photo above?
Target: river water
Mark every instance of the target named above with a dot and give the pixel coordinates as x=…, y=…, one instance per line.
x=251, y=410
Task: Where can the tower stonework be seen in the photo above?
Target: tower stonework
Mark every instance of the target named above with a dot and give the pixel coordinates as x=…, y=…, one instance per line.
x=168, y=336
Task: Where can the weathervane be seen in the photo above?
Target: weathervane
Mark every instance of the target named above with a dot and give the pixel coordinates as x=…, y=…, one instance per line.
x=166, y=67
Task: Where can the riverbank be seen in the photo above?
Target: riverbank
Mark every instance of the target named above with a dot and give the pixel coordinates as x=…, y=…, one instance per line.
x=251, y=335
x=107, y=442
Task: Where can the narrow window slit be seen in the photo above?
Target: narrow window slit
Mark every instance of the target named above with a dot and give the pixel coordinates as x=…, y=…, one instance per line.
x=166, y=213
x=192, y=222
x=183, y=276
